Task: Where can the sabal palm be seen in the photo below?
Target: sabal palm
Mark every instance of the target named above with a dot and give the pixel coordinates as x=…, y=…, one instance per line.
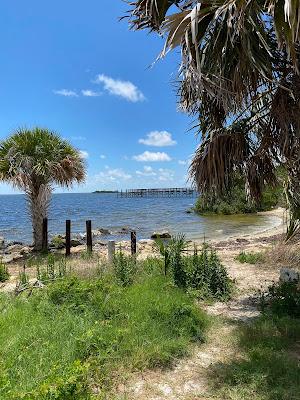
x=239, y=63
x=34, y=161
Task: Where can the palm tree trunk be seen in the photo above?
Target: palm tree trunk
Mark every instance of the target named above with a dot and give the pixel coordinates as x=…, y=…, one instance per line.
x=38, y=199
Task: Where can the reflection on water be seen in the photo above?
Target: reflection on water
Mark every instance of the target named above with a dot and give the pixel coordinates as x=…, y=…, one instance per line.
x=145, y=215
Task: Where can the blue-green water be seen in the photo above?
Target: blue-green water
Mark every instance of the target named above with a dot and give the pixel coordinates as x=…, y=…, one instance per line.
x=145, y=215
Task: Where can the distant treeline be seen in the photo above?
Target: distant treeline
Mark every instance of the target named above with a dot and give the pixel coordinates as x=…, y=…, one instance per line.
x=105, y=191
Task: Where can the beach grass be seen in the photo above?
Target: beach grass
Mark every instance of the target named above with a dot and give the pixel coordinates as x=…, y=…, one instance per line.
x=78, y=337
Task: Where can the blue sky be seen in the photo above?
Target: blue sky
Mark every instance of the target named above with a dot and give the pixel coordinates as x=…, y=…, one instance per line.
x=73, y=67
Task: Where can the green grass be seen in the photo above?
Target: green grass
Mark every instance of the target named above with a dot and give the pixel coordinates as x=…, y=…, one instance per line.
x=250, y=258
x=79, y=333
x=268, y=368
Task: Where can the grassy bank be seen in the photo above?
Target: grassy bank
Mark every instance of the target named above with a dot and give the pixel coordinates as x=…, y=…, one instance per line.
x=77, y=337
x=267, y=366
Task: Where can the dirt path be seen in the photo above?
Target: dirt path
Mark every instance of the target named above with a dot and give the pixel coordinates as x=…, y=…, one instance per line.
x=189, y=379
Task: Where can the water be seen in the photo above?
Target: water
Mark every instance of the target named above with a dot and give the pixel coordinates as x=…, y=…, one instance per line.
x=145, y=215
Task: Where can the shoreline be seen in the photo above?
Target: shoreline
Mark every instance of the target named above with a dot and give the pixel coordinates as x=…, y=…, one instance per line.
x=145, y=247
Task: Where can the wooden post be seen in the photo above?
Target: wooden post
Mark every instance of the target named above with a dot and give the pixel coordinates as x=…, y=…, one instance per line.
x=45, y=235
x=89, y=239
x=68, y=238
x=111, y=249
x=133, y=243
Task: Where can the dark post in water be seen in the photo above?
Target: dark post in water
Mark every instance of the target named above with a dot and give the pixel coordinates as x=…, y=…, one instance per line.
x=68, y=238
x=45, y=235
x=133, y=243
x=89, y=240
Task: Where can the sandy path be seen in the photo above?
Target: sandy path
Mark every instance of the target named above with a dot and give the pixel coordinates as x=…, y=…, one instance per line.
x=189, y=379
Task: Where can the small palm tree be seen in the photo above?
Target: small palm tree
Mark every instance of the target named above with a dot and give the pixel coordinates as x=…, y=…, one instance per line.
x=35, y=160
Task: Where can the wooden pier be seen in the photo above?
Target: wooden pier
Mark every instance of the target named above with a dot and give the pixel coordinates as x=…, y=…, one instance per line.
x=168, y=192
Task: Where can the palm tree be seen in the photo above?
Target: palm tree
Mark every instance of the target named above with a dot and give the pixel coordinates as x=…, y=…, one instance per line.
x=240, y=76
x=34, y=161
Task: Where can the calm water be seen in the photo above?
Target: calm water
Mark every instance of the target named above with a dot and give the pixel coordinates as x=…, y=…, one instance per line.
x=145, y=215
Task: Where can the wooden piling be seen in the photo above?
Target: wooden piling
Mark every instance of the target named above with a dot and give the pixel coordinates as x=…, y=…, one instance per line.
x=133, y=243
x=89, y=239
x=68, y=238
x=111, y=249
x=45, y=235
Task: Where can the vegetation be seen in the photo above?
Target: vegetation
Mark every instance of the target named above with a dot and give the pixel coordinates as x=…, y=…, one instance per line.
x=235, y=200
x=85, y=333
x=250, y=258
x=4, y=274
x=239, y=76
x=201, y=273
x=282, y=298
x=33, y=161
x=267, y=367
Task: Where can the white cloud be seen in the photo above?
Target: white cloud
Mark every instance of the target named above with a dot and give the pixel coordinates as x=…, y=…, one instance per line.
x=90, y=93
x=165, y=175
x=182, y=162
x=102, y=156
x=147, y=171
x=158, y=139
x=149, y=156
x=120, y=88
x=66, y=93
x=84, y=154
x=112, y=175
x=78, y=138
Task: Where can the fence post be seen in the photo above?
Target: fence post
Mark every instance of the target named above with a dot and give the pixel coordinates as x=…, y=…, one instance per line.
x=68, y=238
x=45, y=235
x=111, y=249
x=89, y=239
x=133, y=243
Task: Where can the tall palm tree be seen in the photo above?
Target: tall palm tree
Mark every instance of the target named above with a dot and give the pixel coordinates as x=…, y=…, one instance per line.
x=34, y=161
x=240, y=75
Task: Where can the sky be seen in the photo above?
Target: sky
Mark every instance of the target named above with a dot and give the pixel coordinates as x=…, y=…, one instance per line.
x=73, y=67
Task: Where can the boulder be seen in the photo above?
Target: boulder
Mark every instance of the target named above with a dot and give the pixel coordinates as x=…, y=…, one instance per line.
x=289, y=275
x=104, y=231
x=76, y=242
x=161, y=235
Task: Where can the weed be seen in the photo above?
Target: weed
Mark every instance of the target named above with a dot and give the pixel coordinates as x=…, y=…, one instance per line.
x=250, y=258
x=4, y=274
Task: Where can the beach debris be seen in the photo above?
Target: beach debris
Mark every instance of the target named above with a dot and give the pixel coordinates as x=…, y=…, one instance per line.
x=161, y=235
x=289, y=275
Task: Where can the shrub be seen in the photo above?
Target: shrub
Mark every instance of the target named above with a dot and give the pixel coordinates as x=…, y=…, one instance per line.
x=250, y=258
x=235, y=201
x=125, y=268
x=4, y=274
x=282, y=298
x=207, y=275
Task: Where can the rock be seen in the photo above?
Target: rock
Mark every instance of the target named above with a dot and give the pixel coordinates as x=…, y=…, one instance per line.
x=289, y=275
x=25, y=250
x=124, y=231
x=161, y=235
x=189, y=211
x=76, y=242
x=2, y=241
x=15, y=248
x=9, y=258
x=104, y=231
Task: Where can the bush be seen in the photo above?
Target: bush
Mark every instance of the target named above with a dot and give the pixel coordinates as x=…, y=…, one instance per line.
x=4, y=274
x=250, y=258
x=203, y=272
x=235, y=201
x=283, y=298
x=207, y=275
